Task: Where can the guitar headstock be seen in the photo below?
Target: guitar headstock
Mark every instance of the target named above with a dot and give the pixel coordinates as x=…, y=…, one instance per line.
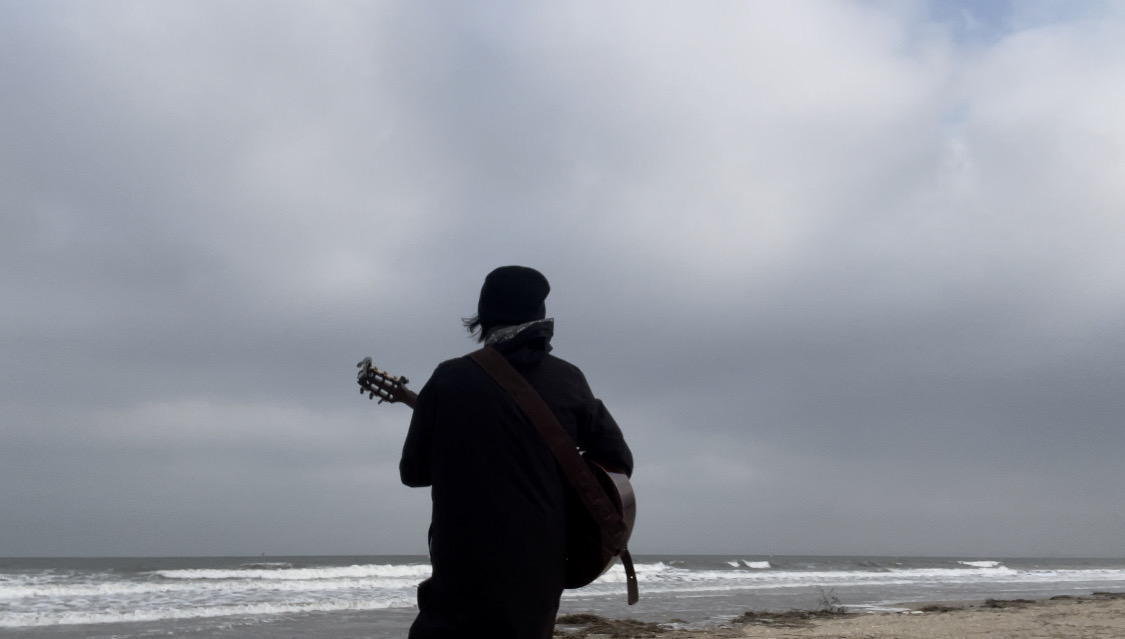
x=374, y=382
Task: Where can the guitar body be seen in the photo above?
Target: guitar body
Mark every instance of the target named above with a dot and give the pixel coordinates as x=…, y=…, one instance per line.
x=586, y=557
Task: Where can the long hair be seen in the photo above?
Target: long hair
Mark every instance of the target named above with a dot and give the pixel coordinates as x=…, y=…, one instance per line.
x=475, y=328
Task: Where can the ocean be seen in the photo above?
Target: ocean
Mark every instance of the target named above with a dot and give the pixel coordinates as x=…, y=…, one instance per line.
x=373, y=596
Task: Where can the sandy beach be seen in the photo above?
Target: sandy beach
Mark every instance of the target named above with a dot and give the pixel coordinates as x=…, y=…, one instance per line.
x=1098, y=615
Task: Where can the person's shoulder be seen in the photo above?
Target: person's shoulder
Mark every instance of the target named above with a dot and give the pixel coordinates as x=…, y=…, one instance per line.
x=455, y=366
x=561, y=366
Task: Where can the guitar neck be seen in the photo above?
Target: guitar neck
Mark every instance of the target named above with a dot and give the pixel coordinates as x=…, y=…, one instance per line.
x=409, y=397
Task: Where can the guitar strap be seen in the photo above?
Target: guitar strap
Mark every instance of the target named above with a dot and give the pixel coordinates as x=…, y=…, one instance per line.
x=613, y=530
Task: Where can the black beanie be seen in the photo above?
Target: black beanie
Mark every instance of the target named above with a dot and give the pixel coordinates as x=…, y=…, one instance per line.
x=512, y=295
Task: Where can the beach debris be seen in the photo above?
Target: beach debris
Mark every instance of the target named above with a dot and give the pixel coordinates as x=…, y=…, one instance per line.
x=1006, y=603
x=830, y=602
x=591, y=626
x=787, y=619
x=939, y=608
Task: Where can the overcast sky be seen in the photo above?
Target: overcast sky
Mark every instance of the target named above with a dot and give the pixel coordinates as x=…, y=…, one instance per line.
x=850, y=274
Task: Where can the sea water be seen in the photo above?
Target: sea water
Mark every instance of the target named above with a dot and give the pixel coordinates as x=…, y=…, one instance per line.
x=373, y=596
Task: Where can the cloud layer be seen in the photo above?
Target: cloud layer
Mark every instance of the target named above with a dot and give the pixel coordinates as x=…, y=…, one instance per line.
x=848, y=273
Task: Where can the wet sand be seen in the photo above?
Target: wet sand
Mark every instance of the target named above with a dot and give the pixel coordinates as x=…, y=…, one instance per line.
x=1094, y=616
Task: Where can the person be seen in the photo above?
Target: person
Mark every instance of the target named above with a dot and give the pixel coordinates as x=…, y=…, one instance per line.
x=497, y=535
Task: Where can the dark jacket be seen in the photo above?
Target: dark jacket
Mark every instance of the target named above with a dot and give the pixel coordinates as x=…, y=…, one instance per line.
x=498, y=531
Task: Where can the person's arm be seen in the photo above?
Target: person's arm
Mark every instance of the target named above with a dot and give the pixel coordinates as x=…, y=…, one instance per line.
x=414, y=466
x=602, y=441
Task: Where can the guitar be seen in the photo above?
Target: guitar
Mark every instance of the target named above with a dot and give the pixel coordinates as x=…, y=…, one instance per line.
x=587, y=558
x=389, y=388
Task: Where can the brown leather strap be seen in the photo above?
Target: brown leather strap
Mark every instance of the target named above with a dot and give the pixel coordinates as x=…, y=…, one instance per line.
x=634, y=592
x=614, y=531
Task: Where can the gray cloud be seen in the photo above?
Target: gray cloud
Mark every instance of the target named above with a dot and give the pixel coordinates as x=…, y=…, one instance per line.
x=847, y=273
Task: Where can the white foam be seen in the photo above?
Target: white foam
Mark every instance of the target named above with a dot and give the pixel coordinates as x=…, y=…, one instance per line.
x=199, y=588
x=63, y=618
x=981, y=564
x=420, y=571
x=66, y=599
x=746, y=563
x=268, y=565
x=671, y=579
x=62, y=597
